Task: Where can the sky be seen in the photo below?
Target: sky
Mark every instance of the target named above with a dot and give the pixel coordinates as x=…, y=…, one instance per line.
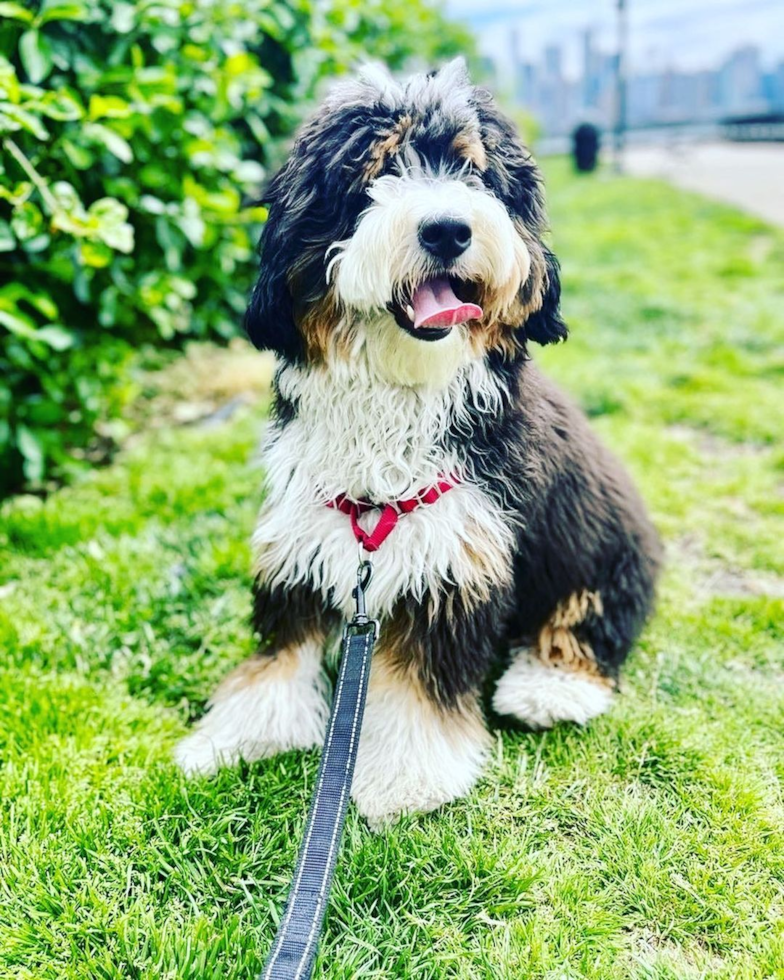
x=684, y=34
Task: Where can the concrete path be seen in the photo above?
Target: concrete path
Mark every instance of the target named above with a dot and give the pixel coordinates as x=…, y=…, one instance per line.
x=748, y=175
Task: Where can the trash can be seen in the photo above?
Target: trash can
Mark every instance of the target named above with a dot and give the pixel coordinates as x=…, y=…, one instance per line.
x=585, y=147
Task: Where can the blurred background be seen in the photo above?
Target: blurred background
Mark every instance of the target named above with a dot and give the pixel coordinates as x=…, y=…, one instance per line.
x=691, y=90
x=135, y=139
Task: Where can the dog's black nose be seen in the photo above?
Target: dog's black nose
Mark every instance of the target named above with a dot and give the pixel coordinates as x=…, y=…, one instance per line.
x=446, y=238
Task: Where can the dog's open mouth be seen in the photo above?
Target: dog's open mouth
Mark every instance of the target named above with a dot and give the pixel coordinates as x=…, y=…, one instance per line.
x=437, y=305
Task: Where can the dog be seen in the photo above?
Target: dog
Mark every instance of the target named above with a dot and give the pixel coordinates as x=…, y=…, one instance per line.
x=404, y=276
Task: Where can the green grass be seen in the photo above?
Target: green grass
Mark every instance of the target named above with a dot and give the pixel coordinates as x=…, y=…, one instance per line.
x=649, y=846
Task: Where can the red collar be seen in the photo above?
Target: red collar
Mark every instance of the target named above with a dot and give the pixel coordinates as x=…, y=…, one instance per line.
x=390, y=513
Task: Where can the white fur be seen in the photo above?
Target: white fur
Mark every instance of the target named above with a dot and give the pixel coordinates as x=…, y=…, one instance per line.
x=383, y=262
x=359, y=434
x=540, y=695
x=413, y=757
x=356, y=434
x=278, y=711
x=383, y=259
x=449, y=89
x=401, y=359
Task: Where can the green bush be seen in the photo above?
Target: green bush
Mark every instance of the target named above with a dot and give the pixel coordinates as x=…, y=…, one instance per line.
x=134, y=138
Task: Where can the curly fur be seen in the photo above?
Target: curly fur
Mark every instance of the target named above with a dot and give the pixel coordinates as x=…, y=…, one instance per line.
x=543, y=548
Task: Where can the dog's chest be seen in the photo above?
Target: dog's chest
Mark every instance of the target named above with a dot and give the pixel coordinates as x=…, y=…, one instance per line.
x=378, y=445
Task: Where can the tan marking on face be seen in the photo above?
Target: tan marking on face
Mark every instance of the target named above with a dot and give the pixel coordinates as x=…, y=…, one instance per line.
x=469, y=146
x=321, y=328
x=506, y=309
x=495, y=335
x=531, y=296
x=322, y=324
x=388, y=144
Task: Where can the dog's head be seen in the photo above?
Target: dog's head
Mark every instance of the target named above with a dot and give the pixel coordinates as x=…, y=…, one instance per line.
x=408, y=218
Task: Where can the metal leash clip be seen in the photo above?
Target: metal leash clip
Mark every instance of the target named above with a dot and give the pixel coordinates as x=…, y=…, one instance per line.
x=364, y=575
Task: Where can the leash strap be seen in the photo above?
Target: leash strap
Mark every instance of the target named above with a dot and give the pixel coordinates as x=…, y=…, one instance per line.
x=294, y=949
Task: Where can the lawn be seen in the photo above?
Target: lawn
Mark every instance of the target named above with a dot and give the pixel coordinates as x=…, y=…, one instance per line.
x=649, y=846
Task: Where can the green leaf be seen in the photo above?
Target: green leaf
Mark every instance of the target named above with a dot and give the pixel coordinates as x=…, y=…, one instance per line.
x=248, y=172
x=62, y=106
x=151, y=204
x=191, y=222
x=29, y=445
x=96, y=255
x=22, y=326
x=110, y=107
x=63, y=11
x=13, y=117
x=35, y=55
x=27, y=221
x=66, y=196
x=37, y=244
x=15, y=11
x=259, y=129
x=15, y=292
x=79, y=156
x=113, y=142
x=7, y=239
x=123, y=17
x=56, y=337
x=107, y=314
x=111, y=225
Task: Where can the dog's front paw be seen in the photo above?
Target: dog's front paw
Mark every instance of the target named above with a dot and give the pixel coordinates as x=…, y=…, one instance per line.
x=266, y=706
x=414, y=763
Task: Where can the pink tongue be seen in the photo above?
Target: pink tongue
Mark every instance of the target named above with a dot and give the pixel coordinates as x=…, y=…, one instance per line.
x=435, y=305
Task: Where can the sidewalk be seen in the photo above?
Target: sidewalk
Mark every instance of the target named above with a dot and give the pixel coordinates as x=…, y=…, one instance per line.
x=748, y=175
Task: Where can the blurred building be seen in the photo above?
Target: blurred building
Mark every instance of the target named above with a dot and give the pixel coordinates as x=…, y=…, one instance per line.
x=739, y=85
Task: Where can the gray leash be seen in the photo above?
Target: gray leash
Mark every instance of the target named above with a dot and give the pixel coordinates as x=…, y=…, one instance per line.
x=296, y=943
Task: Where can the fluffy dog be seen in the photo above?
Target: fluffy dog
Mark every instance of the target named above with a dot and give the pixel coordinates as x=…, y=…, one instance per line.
x=403, y=277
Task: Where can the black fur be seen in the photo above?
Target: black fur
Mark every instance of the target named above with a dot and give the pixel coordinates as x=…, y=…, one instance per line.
x=582, y=523
x=579, y=522
x=320, y=194
x=545, y=326
x=285, y=617
x=580, y=526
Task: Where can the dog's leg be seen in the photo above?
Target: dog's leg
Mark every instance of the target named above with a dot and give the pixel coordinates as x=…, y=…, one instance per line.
x=424, y=741
x=269, y=704
x=557, y=677
x=273, y=702
x=414, y=754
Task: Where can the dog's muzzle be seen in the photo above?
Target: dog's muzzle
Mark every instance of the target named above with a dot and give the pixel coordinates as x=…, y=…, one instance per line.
x=435, y=306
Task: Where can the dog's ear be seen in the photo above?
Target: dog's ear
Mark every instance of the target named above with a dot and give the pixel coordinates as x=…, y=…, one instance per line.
x=545, y=326
x=514, y=178
x=312, y=204
x=269, y=320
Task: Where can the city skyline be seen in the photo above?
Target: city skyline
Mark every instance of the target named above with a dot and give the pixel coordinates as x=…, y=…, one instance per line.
x=680, y=35
x=740, y=85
